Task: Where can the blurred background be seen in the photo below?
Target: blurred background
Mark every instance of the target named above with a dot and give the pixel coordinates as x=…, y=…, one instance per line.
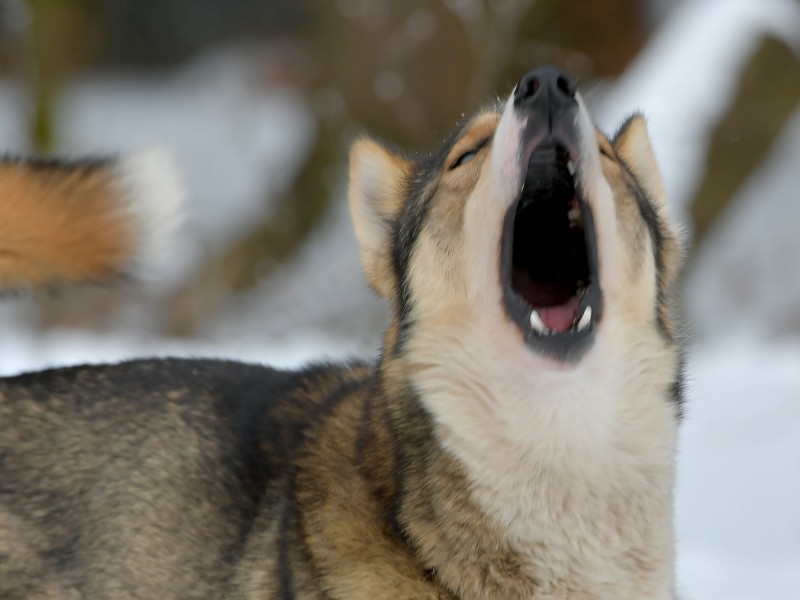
x=259, y=100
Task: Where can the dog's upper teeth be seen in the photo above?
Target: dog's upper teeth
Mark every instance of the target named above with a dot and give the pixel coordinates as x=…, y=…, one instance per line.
x=536, y=322
x=586, y=318
x=571, y=167
x=574, y=214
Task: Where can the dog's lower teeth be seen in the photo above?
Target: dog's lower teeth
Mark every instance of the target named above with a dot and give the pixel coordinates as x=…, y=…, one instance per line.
x=536, y=322
x=539, y=327
x=574, y=214
x=586, y=318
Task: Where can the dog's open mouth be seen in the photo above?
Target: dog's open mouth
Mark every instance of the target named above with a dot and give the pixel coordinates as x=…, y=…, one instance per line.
x=550, y=257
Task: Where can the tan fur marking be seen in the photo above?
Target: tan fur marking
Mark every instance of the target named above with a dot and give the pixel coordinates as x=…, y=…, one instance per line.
x=343, y=522
x=376, y=198
x=633, y=146
x=59, y=225
x=478, y=132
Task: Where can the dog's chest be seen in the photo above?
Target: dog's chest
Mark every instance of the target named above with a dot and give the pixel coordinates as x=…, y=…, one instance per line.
x=576, y=483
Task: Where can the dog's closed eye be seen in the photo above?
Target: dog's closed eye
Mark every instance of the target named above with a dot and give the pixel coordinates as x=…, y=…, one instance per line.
x=467, y=156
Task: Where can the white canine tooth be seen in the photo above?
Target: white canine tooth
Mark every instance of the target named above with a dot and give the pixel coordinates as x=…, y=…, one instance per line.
x=585, y=319
x=571, y=167
x=573, y=214
x=537, y=323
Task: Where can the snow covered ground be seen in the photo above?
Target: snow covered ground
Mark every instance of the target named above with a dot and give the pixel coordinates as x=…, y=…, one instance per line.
x=738, y=494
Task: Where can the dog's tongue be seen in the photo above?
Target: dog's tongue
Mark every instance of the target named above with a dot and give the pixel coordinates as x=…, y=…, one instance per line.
x=560, y=318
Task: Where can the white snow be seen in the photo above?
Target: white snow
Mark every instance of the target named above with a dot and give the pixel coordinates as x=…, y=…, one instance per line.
x=745, y=277
x=684, y=78
x=738, y=493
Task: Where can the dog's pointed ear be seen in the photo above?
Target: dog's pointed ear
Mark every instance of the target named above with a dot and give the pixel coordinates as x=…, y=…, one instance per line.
x=377, y=178
x=633, y=146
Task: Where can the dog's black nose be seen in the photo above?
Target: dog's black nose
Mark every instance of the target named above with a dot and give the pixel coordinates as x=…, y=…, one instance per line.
x=545, y=88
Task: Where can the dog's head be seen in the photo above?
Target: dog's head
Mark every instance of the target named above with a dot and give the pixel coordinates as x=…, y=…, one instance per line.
x=530, y=233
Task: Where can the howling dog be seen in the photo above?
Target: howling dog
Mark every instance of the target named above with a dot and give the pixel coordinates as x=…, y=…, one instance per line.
x=514, y=440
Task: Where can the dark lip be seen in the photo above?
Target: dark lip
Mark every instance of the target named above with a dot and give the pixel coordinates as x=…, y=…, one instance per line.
x=568, y=346
x=560, y=136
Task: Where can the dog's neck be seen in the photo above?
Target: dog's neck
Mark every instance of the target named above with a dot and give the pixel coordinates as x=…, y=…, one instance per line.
x=573, y=466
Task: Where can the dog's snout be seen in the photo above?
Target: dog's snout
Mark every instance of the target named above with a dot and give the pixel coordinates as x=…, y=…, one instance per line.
x=546, y=88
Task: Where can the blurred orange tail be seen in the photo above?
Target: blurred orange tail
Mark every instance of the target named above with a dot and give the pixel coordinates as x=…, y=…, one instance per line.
x=84, y=221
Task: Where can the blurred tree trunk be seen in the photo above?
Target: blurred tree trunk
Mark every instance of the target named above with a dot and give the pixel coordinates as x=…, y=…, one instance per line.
x=767, y=95
x=59, y=40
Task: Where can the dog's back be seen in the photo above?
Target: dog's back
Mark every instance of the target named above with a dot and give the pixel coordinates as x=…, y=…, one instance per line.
x=147, y=472
x=143, y=480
